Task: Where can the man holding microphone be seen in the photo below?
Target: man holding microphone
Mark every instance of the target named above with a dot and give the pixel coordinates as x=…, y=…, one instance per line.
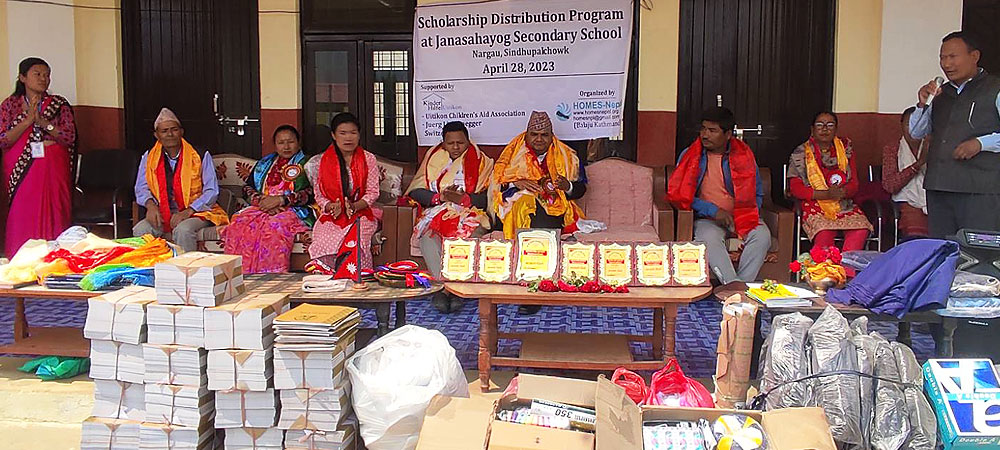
x=962, y=116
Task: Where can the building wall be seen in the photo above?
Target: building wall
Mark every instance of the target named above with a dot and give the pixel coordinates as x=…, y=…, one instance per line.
x=280, y=68
x=659, y=35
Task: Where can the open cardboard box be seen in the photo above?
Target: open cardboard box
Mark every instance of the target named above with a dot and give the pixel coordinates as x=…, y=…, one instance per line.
x=460, y=423
x=619, y=422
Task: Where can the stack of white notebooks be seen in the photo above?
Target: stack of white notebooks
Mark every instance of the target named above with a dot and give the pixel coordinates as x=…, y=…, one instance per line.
x=315, y=409
x=119, y=315
x=110, y=360
x=239, y=409
x=254, y=439
x=161, y=436
x=200, y=279
x=178, y=405
x=342, y=439
x=317, y=369
x=245, y=370
x=100, y=433
x=175, y=364
x=119, y=400
x=176, y=324
x=315, y=327
x=244, y=323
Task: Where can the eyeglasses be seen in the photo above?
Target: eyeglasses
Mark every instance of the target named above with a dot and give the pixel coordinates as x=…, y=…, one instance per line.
x=825, y=124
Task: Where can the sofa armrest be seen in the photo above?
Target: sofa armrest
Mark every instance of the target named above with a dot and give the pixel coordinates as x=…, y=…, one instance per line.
x=663, y=219
x=390, y=222
x=781, y=222
x=685, y=225
x=407, y=217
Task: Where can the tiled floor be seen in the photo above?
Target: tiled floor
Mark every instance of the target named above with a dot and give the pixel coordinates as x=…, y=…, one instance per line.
x=697, y=327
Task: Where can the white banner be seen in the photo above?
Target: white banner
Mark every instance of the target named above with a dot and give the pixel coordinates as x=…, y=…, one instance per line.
x=490, y=64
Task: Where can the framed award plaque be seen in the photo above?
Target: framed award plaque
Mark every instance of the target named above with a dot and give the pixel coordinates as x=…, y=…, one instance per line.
x=690, y=264
x=537, y=254
x=495, y=261
x=578, y=261
x=652, y=264
x=458, y=258
x=614, y=263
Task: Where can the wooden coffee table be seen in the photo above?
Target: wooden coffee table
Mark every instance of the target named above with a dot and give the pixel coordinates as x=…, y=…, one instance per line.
x=575, y=350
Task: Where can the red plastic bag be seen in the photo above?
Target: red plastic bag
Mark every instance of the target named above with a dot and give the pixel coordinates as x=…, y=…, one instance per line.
x=669, y=387
x=635, y=386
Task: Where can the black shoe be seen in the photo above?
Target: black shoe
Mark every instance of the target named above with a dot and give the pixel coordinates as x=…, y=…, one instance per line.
x=528, y=310
x=440, y=302
x=455, y=303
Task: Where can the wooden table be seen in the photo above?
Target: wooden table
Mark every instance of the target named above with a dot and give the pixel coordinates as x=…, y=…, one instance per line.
x=69, y=341
x=575, y=350
x=376, y=296
x=944, y=342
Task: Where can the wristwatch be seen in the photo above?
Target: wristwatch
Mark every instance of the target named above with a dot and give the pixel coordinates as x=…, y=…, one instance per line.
x=50, y=128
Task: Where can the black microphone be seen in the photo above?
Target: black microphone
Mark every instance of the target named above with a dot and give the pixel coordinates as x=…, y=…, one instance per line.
x=938, y=81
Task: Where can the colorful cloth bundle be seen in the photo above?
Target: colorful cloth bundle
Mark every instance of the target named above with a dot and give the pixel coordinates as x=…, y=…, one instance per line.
x=117, y=275
x=404, y=272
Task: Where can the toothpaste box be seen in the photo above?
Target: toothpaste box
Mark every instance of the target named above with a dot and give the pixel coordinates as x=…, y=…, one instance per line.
x=966, y=397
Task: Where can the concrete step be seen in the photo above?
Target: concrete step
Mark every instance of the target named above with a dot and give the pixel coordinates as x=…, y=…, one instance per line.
x=36, y=414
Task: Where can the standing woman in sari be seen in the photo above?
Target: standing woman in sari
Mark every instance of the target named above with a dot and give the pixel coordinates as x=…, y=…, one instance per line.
x=345, y=180
x=822, y=174
x=281, y=207
x=38, y=138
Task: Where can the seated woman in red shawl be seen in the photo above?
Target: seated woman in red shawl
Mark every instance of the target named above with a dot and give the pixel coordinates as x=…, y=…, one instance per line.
x=345, y=181
x=823, y=176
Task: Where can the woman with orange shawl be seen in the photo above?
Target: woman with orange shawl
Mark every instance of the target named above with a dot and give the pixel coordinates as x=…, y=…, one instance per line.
x=823, y=176
x=450, y=190
x=345, y=181
x=535, y=181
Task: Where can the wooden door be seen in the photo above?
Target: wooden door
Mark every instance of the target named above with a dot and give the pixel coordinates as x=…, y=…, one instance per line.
x=181, y=53
x=980, y=18
x=330, y=87
x=770, y=60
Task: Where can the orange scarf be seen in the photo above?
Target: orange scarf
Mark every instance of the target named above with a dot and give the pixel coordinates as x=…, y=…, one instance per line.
x=683, y=184
x=816, y=178
x=186, y=184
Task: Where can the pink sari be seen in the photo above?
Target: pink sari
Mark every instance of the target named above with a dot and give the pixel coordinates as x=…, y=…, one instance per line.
x=38, y=189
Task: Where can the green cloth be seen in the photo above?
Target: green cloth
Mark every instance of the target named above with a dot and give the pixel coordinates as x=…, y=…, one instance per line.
x=50, y=368
x=132, y=241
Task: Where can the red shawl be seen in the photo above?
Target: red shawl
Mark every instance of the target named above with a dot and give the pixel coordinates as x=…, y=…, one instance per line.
x=163, y=198
x=684, y=183
x=332, y=187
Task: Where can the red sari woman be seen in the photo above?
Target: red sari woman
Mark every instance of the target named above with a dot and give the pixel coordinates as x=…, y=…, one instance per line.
x=38, y=138
x=345, y=181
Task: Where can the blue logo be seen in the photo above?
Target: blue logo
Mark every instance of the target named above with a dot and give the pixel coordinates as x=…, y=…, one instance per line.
x=563, y=112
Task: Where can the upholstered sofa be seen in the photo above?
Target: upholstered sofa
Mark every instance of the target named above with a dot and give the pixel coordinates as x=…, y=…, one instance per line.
x=781, y=222
x=627, y=197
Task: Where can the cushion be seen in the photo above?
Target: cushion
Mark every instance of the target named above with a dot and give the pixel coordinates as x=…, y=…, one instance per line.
x=232, y=170
x=391, y=186
x=619, y=193
x=622, y=233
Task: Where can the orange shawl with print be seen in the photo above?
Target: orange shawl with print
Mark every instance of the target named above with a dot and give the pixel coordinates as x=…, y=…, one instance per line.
x=187, y=184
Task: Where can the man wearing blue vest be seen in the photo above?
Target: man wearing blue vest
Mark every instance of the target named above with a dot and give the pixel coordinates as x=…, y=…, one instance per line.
x=963, y=118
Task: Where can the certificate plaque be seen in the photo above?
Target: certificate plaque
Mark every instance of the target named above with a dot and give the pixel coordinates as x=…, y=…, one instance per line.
x=578, y=261
x=495, y=259
x=614, y=264
x=458, y=259
x=690, y=264
x=652, y=264
x=537, y=254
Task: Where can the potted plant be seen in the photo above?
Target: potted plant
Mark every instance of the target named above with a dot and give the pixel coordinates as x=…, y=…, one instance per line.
x=820, y=268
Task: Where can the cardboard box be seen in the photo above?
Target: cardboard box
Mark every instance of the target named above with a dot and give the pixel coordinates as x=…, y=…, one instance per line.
x=619, y=422
x=966, y=395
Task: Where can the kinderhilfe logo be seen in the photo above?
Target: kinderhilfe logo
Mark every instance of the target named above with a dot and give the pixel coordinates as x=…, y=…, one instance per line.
x=433, y=102
x=563, y=112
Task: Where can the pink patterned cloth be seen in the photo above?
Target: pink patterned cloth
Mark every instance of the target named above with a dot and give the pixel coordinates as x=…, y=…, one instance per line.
x=327, y=236
x=264, y=241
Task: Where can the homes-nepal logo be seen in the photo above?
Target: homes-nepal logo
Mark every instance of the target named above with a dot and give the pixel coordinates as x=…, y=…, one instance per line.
x=433, y=102
x=564, y=112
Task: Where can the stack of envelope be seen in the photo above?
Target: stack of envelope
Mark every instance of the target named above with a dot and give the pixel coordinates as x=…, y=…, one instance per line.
x=315, y=409
x=175, y=364
x=244, y=323
x=340, y=439
x=254, y=438
x=110, y=360
x=200, y=279
x=119, y=400
x=176, y=324
x=246, y=409
x=119, y=315
x=161, y=436
x=99, y=433
x=178, y=405
x=245, y=370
